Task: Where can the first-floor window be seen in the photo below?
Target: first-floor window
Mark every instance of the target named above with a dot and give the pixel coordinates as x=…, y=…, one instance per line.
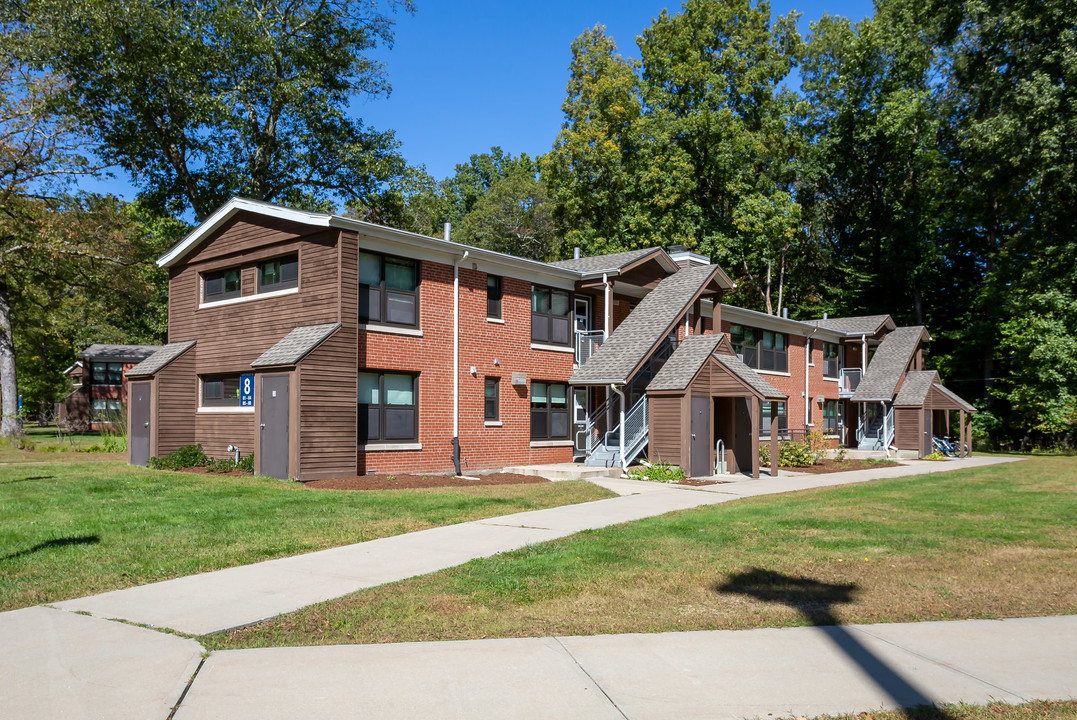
x=492, y=410
x=830, y=417
x=106, y=409
x=388, y=407
x=764, y=420
x=220, y=391
x=549, y=411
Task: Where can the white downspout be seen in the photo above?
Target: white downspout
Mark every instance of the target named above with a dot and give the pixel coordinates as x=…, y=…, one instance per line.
x=863, y=356
x=807, y=362
x=621, y=432
x=607, y=300
x=886, y=435
x=455, y=351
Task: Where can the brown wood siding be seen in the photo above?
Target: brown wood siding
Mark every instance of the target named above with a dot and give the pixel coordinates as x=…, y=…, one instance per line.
x=907, y=430
x=666, y=431
x=216, y=431
x=246, y=231
x=176, y=398
x=327, y=408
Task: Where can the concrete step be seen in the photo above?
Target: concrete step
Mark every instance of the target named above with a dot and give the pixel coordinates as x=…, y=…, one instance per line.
x=565, y=471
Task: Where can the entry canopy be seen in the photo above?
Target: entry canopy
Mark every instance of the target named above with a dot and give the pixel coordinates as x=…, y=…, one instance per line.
x=157, y=362
x=296, y=345
x=690, y=357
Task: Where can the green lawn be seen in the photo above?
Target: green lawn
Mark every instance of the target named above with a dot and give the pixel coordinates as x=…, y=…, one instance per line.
x=989, y=542
x=1035, y=710
x=70, y=526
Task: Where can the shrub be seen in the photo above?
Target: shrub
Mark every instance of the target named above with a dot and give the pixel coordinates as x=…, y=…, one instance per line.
x=935, y=456
x=187, y=456
x=657, y=472
x=246, y=464
x=791, y=454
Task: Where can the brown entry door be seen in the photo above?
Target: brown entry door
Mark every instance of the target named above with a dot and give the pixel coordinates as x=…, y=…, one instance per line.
x=274, y=426
x=701, y=437
x=140, y=422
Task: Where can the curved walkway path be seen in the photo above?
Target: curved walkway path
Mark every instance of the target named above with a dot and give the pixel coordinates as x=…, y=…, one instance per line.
x=71, y=661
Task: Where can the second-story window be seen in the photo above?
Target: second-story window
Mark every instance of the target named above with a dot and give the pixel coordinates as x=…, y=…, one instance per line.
x=761, y=349
x=220, y=285
x=550, y=321
x=107, y=373
x=831, y=360
x=278, y=274
x=388, y=290
x=493, y=297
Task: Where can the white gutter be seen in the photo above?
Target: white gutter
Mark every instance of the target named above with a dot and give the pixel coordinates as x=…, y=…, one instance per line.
x=621, y=432
x=807, y=362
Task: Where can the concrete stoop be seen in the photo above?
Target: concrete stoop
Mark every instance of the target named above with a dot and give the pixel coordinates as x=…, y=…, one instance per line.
x=565, y=471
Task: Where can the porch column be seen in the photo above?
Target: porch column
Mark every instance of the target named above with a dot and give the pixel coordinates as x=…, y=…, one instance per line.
x=968, y=437
x=753, y=422
x=773, y=439
x=948, y=423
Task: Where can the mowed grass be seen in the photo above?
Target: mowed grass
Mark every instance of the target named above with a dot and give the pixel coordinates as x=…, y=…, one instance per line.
x=74, y=528
x=1035, y=710
x=991, y=542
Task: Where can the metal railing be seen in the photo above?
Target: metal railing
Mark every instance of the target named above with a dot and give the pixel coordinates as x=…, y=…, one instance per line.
x=586, y=345
x=872, y=426
x=592, y=431
x=848, y=381
x=635, y=431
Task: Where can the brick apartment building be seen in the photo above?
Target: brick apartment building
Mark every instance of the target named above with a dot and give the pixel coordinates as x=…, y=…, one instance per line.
x=329, y=346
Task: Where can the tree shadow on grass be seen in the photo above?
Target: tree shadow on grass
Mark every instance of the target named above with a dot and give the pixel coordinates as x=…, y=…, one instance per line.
x=58, y=542
x=814, y=600
x=27, y=479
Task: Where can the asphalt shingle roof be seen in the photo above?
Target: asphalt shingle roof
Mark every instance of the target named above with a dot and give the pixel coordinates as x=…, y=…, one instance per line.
x=750, y=377
x=155, y=362
x=617, y=359
x=888, y=364
x=604, y=263
x=916, y=387
x=858, y=325
x=133, y=353
x=684, y=364
x=967, y=407
x=294, y=346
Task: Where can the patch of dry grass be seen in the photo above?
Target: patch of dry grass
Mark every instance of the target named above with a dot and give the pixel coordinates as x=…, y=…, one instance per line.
x=1035, y=710
x=986, y=543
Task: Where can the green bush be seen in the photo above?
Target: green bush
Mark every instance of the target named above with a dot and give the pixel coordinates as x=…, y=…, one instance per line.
x=791, y=454
x=114, y=444
x=657, y=472
x=246, y=464
x=187, y=456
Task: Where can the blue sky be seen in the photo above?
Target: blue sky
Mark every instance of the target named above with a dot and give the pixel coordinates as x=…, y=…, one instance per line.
x=468, y=76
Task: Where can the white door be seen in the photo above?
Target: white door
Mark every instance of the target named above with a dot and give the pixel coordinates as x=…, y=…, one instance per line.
x=580, y=413
x=583, y=314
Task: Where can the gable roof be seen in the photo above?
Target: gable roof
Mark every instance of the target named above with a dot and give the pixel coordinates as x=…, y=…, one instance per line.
x=887, y=366
x=856, y=325
x=620, y=356
x=916, y=387
x=615, y=262
x=129, y=353
x=967, y=407
x=684, y=364
x=296, y=345
x=750, y=377
x=164, y=355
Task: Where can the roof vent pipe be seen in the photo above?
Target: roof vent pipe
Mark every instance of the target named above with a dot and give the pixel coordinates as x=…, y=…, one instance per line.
x=824, y=316
x=576, y=253
x=785, y=313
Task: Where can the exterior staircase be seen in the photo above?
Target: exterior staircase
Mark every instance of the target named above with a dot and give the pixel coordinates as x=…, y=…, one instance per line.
x=870, y=433
x=604, y=448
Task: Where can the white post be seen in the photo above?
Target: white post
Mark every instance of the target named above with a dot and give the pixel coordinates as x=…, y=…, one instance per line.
x=886, y=445
x=863, y=356
x=607, y=302
x=621, y=431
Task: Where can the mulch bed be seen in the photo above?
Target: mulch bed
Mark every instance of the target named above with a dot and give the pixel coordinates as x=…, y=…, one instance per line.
x=403, y=482
x=205, y=471
x=833, y=466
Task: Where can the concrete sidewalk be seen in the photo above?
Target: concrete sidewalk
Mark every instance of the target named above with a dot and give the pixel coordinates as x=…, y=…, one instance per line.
x=225, y=599
x=724, y=674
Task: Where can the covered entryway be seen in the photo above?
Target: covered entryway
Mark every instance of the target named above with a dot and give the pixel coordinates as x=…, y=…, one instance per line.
x=141, y=396
x=704, y=394
x=922, y=410
x=273, y=428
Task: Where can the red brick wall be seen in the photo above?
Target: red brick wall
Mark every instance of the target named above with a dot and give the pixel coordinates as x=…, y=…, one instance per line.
x=481, y=343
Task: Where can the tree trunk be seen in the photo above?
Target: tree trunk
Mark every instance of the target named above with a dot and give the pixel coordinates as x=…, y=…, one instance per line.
x=9, y=387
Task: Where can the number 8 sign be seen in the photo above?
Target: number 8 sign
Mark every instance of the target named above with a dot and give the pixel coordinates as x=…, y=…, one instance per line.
x=246, y=390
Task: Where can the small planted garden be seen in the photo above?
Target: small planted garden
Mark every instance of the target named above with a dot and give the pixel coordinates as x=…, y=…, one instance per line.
x=192, y=457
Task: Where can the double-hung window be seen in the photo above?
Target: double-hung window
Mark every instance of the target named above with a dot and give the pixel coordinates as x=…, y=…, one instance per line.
x=493, y=297
x=106, y=409
x=550, y=311
x=388, y=407
x=764, y=420
x=220, y=285
x=492, y=406
x=278, y=274
x=107, y=373
x=831, y=417
x=831, y=362
x=388, y=290
x=760, y=349
x=549, y=411
x=220, y=390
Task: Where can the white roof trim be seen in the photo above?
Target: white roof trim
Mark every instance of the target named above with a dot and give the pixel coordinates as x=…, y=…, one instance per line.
x=236, y=205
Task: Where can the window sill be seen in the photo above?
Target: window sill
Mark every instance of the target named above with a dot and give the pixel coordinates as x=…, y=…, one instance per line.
x=245, y=410
x=773, y=372
x=493, y=423
x=391, y=329
x=830, y=379
x=551, y=443
x=499, y=321
x=248, y=298
x=553, y=348
x=383, y=447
